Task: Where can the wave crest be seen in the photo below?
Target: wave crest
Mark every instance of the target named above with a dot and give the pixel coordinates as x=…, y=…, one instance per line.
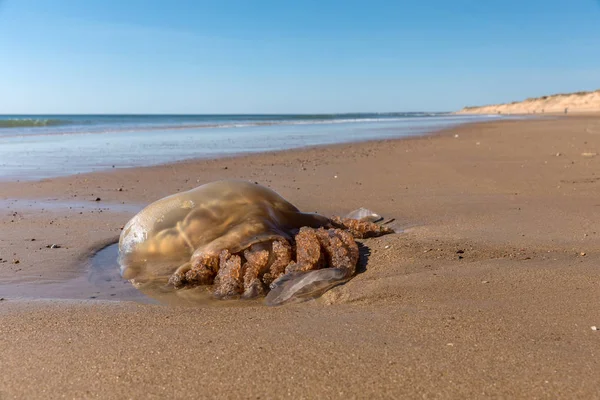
x=32, y=122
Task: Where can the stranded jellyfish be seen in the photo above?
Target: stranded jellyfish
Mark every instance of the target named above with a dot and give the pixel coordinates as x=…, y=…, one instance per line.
x=245, y=241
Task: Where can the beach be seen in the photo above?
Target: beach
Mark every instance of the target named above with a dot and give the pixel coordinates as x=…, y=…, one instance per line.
x=490, y=288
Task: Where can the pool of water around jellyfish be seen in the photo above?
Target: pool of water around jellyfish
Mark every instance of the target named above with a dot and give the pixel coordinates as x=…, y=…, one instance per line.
x=100, y=279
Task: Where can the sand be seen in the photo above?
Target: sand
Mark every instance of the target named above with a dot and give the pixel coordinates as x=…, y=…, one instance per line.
x=581, y=102
x=490, y=291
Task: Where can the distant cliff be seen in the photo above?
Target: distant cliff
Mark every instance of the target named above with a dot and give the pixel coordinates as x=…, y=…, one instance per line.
x=556, y=103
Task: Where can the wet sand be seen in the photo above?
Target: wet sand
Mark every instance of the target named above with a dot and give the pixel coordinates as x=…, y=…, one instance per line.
x=490, y=291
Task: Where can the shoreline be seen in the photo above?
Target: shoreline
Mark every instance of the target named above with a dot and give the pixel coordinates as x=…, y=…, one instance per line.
x=421, y=135
x=490, y=291
x=115, y=150
x=233, y=157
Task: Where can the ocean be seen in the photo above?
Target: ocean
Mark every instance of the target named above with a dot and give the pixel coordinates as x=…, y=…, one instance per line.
x=44, y=146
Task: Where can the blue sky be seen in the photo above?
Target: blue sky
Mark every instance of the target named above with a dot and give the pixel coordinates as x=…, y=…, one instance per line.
x=305, y=56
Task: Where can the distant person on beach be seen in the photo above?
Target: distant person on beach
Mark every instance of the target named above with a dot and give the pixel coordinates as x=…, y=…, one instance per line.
x=566, y=110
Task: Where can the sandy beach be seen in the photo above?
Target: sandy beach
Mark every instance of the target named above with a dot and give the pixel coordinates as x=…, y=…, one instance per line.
x=490, y=288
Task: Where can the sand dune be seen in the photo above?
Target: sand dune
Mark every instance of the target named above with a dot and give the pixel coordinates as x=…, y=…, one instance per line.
x=557, y=103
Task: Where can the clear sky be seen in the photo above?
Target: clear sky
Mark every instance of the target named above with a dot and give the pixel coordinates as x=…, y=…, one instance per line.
x=301, y=56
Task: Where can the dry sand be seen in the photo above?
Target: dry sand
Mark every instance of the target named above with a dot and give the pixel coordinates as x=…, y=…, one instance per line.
x=491, y=291
x=581, y=102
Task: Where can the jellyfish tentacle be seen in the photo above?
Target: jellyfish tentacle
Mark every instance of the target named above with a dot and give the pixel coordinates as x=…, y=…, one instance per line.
x=341, y=255
x=309, y=255
x=257, y=263
x=341, y=249
x=177, y=279
x=229, y=281
x=361, y=229
x=281, y=255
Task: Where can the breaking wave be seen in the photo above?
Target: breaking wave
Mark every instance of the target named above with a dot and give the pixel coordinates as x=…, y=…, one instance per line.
x=32, y=122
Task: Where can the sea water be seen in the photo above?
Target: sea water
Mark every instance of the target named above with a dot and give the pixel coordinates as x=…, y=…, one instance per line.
x=44, y=146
